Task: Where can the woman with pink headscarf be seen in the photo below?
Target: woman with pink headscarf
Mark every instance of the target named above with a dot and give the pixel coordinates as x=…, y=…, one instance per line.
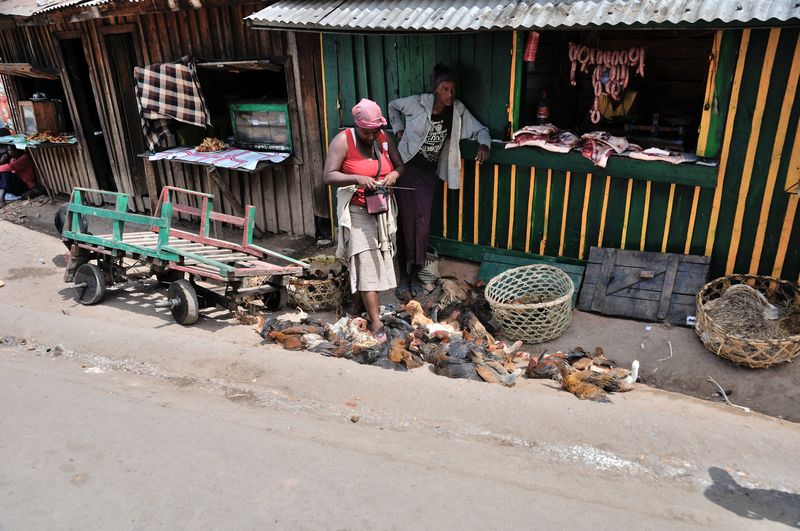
x=360, y=160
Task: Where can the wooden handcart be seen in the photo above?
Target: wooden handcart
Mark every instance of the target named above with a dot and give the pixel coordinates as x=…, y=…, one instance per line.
x=202, y=271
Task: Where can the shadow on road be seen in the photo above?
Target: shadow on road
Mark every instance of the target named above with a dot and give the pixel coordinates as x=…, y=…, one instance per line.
x=753, y=504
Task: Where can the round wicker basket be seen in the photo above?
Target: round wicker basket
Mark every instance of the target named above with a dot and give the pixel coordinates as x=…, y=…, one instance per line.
x=753, y=353
x=324, y=289
x=532, y=303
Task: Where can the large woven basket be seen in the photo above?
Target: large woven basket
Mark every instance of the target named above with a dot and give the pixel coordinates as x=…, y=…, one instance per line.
x=753, y=353
x=532, y=303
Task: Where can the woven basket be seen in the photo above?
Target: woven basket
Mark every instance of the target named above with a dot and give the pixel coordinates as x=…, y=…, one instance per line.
x=316, y=294
x=532, y=303
x=325, y=292
x=753, y=353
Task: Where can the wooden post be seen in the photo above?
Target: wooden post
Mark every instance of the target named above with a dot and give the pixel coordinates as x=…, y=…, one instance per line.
x=213, y=179
x=152, y=187
x=223, y=188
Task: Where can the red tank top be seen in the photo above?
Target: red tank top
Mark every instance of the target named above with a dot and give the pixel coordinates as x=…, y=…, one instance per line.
x=356, y=164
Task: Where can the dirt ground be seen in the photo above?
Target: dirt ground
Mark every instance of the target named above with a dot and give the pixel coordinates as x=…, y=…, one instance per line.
x=672, y=358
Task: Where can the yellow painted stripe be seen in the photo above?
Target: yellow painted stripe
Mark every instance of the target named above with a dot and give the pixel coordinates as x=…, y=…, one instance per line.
x=603, y=212
x=752, y=144
x=791, y=208
x=669, y=218
x=461, y=203
x=692, y=217
x=564, y=210
x=584, y=214
x=645, y=216
x=475, y=202
x=726, y=142
x=627, y=213
x=444, y=210
x=530, y=212
x=543, y=243
x=511, y=204
x=512, y=77
x=786, y=232
x=494, y=204
x=708, y=102
x=777, y=153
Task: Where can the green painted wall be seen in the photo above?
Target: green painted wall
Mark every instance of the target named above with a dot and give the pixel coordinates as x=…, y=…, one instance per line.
x=383, y=68
x=643, y=218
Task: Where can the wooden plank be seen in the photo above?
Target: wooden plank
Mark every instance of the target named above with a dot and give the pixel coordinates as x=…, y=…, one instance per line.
x=666, y=291
x=599, y=298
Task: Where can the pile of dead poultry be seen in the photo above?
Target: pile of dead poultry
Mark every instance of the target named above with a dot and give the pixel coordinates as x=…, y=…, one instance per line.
x=453, y=330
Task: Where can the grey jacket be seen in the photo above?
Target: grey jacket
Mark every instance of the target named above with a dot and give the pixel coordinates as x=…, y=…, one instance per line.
x=417, y=113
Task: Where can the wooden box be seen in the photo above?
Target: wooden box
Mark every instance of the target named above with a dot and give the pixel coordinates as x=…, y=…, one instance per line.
x=642, y=285
x=41, y=116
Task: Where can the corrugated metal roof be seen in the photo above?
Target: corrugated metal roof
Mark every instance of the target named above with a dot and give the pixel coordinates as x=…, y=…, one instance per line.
x=23, y=8
x=478, y=15
x=29, y=8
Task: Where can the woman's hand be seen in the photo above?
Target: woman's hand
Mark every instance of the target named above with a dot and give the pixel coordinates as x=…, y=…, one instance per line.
x=483, y=154
x=390, y=178
x=367, y=182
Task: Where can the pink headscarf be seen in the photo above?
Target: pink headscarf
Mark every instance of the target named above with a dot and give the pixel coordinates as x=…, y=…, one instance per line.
x=367, y=114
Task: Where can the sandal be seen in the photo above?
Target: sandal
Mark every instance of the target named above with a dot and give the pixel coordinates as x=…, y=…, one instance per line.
x=380, y=336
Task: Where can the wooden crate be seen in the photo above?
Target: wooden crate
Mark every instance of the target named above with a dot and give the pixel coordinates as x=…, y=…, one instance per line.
x=41, y=116
x=641, y=285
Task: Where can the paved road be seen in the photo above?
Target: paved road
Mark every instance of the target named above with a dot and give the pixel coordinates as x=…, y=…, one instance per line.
x=114, y=417
x=86, y=447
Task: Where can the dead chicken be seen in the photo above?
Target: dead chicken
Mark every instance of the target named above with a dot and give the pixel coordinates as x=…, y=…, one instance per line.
x=577, y=384
x=545, y=366
x=418, y=316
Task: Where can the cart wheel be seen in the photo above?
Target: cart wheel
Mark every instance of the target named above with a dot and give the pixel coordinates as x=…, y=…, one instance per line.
x=186, y=310
x=272, y=301
x=90, y=284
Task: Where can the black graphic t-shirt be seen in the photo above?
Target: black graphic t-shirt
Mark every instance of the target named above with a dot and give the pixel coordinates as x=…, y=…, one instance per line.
x=432, y=146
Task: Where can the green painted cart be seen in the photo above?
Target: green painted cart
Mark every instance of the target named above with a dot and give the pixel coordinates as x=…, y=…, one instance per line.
x=201, y=271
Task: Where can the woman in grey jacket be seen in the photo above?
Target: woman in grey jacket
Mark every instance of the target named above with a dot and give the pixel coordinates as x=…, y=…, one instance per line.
x=430, y=127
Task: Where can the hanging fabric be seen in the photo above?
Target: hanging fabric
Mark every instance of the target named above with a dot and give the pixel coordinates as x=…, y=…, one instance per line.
x=168, y=91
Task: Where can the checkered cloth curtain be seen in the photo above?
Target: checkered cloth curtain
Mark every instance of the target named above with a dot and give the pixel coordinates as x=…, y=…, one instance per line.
x=168, y=91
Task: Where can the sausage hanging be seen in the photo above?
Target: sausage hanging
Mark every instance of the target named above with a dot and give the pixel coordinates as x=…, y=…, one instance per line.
x=616, y=64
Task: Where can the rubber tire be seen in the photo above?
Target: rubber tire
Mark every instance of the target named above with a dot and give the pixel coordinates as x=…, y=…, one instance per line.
x=188, y=311
x=96, y=280
x=61, y=218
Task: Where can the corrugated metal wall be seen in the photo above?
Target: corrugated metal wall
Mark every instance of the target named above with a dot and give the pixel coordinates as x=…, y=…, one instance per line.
x=747, y=223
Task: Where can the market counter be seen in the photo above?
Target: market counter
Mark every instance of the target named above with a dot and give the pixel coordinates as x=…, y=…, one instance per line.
x=534, y=201
x=687, y=173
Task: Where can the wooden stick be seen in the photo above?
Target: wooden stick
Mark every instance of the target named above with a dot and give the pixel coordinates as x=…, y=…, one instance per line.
x=725, y=395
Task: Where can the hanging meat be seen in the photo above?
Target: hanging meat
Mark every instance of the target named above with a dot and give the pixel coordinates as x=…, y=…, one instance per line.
x=610, y=71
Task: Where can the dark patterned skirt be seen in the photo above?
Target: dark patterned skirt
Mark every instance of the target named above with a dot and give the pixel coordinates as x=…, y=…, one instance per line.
x=414, y=211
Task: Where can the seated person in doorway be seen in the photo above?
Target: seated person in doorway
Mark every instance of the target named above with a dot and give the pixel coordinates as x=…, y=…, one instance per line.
x=430, y=127
x=16, y=174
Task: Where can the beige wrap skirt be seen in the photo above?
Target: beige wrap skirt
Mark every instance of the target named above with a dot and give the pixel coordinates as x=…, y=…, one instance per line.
x=370, y=268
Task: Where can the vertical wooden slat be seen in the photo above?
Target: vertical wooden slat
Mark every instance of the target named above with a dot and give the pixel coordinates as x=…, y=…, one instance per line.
x=726, y=144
